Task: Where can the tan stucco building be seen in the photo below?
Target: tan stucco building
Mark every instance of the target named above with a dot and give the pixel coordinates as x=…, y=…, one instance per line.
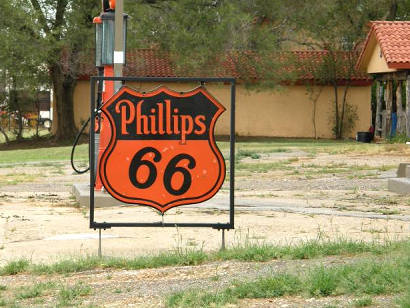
x=285, y=112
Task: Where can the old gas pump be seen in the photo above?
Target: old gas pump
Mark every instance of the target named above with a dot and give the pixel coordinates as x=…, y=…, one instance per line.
x=104, y=57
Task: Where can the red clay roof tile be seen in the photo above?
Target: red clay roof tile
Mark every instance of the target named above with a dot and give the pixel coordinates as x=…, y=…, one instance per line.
x=156, y=63
x=394, y=40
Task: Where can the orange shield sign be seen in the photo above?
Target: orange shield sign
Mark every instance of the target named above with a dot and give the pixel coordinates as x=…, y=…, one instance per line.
x=162, y=152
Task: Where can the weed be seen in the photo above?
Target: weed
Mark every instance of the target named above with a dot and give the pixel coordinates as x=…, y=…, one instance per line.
x=363, y=302
x=404, y=300
x=265, y=167
x=385, y=201
x=69, y=294
x=367, y=276
x=388, y=212
x=322, y=282
x=245, y=252
x=35, y=290
x=14, y=267
x=3, y=287
x=2, y=302
x=246, y=153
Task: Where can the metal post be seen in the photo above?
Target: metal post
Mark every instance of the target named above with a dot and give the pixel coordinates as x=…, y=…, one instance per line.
x=223, y=240
x=232, y=159
x=119, y=53
x=99, y=243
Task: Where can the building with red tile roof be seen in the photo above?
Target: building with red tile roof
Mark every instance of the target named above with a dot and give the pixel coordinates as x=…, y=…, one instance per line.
x=387, y=47
x=157, y=63
x=386, y=57
x=287, y=112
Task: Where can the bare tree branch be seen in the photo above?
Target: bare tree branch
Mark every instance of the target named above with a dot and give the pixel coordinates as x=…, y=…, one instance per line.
x=61, y=7
x=42, y=18
x=302, y=43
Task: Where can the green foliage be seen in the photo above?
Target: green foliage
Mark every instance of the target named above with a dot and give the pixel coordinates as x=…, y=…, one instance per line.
x=369, y=276
x=322, y=282
x=35, y=290
x=363, y=302
x=399, y=138
x=248, y=251
x=246, y=153
x=404, y=300
x=274, y=286
x=43, y=154
x=201, y=34
x=14, y=267
x=70, y=293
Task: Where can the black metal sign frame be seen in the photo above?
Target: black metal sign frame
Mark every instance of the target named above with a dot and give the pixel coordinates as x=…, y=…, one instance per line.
x=106, y=225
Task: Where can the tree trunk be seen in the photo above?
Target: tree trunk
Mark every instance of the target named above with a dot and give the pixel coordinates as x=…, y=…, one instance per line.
x=63, y=87
x=392, y=10
x=314, y=98
x=337, y=117
x=6, y=138
x=16, y=106
x=344, y=103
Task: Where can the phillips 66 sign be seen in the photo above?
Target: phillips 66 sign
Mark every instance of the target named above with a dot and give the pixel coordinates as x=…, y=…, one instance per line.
x=162, y=151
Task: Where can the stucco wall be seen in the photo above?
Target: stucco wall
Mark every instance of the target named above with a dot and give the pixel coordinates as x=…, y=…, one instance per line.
x=286, y=112
x=377, y=62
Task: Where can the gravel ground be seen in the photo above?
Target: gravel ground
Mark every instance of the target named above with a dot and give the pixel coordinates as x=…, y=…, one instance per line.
x=36, y=204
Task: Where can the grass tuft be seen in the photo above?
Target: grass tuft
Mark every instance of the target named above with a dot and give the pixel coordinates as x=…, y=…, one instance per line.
x=14, y=267
x=68, y=294
x=369, y=277
x=363, y=302
x=257, y=252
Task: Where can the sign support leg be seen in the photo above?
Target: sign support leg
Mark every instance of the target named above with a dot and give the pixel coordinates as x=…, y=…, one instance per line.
x=223, y=240
x=99, y=243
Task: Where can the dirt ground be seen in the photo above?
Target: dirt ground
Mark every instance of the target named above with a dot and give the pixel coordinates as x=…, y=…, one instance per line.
x=324, y=195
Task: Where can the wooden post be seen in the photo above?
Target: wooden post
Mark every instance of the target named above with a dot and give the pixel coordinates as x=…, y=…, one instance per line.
x=408, y=105
x=378, y=124
x=388, y=98
x=401, y=126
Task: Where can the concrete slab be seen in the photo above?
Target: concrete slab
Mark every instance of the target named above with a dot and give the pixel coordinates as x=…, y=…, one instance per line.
x=399, y=185
x=221, y=202
x=402, y=170
x=81, y=192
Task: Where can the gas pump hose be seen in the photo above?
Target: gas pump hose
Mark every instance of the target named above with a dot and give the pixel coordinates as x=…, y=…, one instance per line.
x=77, y=138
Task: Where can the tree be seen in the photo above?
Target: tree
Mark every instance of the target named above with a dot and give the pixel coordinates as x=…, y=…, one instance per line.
x=195, y=32
x=62, y=30
x=20, y=66
x=200, y=34
x=338, y=27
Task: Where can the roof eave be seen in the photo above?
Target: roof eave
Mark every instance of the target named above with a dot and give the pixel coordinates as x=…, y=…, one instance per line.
x=365, y=54
x=397, y=65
